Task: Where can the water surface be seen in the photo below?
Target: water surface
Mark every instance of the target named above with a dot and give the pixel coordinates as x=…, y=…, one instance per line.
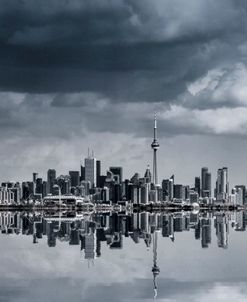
x=134, y=257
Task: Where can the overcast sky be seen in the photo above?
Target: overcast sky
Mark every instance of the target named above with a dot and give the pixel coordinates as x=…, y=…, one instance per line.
x=78, y=74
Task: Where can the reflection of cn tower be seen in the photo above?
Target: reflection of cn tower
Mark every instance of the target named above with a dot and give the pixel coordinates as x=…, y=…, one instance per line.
x=155, y=269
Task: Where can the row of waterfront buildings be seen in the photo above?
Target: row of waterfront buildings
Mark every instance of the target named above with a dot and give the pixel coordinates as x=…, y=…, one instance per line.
x=91, y=185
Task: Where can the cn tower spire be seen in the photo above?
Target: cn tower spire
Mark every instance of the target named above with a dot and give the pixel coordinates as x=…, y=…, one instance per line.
x=155, y=146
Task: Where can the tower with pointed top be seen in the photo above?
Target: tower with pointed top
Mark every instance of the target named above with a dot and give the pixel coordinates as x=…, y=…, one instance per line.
x=155, y=146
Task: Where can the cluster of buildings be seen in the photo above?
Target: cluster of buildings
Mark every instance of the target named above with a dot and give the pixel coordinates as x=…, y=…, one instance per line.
x=110, y=188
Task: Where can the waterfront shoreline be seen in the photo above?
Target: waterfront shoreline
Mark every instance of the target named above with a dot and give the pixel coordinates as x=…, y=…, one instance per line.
x=134, y=208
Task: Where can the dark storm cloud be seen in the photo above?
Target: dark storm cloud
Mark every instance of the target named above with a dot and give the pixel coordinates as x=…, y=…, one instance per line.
x=126, y=50
x=106, y=66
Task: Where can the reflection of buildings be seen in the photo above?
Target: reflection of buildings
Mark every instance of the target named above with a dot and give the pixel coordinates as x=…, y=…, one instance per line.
x=205, y=232
x=222, y=230
x=88, y=232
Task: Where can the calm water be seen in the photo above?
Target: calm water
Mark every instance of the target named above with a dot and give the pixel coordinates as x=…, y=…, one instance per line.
x=194, y=257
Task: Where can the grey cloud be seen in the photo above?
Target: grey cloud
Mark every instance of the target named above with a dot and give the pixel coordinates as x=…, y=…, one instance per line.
x=125, y=50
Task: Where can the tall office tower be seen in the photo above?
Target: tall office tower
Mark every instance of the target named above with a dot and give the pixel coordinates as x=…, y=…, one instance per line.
x=145, y=189
x=98, y=173
x=222, y=184
x=117, y=173
x=90, y=170
x=165, y=189
x=35, y=176
x=82, y=173
x=205, y=183
x=198, y=185
x=155, y=146
x=186, y=192
x=51, y=180
x=75, y=178
x=25, y=191
x=44, y=191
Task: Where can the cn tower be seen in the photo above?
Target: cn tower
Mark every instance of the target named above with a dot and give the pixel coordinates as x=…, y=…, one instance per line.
x=155, y=146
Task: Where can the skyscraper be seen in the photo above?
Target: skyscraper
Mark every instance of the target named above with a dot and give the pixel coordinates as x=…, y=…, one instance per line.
x=75, y=178
x=82, y=173
x=168, y=188
x=178, y=192
x=39, y=186
x=222, y=184
x=51, y=179
x=155, y=146
x=90, y=170
x=98, y=173
x=198, y=185
x=205, y=183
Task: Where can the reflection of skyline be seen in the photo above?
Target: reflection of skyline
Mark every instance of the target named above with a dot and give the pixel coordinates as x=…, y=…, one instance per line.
x=90, y=231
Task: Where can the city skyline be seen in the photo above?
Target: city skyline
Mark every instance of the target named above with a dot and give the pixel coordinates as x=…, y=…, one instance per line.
x=89, y=185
